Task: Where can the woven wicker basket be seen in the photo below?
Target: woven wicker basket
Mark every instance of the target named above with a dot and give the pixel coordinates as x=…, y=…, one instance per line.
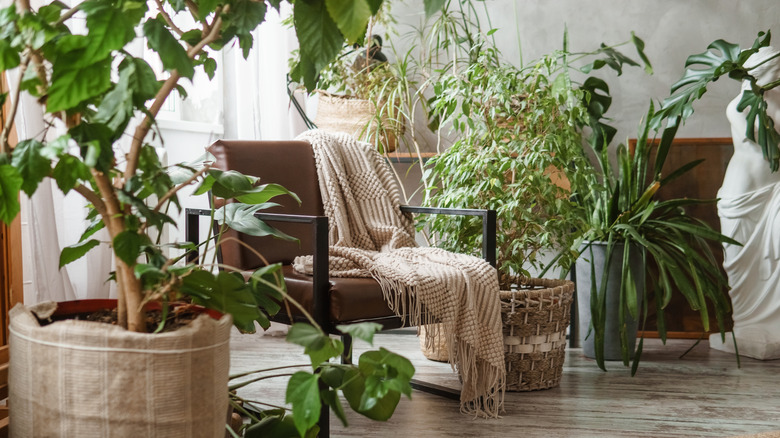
x=435, y=348
x=353, y=116
x=535, y=319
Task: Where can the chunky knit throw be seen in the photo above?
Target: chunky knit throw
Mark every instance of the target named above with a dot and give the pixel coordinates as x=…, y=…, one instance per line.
x=371, y=237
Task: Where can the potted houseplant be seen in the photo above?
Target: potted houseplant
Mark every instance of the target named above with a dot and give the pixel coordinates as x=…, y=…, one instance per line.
x=629, y=227
x=745, y=206
x=93, y=90
x=519, y=151
x=622, y=208
x=350, y=90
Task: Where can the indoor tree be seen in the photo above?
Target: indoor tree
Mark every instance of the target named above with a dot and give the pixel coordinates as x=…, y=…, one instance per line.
x=94, y=90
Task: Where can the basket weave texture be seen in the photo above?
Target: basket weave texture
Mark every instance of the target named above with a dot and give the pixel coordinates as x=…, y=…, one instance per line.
x=535, y=319
x=434, y=348
x=354, y=116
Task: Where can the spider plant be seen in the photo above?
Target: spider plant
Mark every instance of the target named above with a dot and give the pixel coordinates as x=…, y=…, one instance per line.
x=621, y=207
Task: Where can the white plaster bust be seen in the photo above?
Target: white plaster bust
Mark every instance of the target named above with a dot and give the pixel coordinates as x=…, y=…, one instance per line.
x=749, y=210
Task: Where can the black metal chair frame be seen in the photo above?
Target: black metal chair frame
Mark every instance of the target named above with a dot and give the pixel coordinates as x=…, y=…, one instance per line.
x=320, y=303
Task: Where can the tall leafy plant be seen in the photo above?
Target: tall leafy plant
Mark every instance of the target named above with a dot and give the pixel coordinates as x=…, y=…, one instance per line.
x=94, y=90
x=621, y=208
x=93, y=86
x=520, y=151
x=723, y=59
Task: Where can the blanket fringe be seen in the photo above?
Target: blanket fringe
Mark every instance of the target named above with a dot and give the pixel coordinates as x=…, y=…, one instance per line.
x=477, y=376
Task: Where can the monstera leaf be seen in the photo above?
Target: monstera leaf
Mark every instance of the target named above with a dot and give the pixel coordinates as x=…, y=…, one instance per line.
x=721, y=58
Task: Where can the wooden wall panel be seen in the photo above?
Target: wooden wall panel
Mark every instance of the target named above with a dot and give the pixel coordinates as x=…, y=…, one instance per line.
x=702, y=182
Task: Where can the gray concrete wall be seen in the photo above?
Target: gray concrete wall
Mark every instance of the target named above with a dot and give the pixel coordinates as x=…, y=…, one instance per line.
x=671, y=29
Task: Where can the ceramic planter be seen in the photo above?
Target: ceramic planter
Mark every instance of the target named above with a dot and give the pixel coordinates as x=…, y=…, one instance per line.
x=612, y=350
x=82, y=378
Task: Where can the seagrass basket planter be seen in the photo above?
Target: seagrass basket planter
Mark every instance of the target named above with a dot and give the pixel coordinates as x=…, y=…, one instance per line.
x=357, y=117
x=535, y=318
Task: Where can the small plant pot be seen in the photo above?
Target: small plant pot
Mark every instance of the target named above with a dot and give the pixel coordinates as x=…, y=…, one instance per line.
x=612, y=347
x=85, y=378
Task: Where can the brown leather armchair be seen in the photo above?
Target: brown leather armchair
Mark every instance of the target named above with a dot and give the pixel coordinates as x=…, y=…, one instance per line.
x=330, y=300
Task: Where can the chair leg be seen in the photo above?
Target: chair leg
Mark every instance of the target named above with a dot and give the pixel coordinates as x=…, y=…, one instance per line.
x=434, y=389
x=324, y=422
x=346, y=356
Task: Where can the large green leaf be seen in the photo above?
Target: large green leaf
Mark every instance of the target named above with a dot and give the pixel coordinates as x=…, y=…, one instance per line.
x=232, y=184
x=74, y=252
x=331, y=397
x=304, y=394
x=227, y=293
x=127, y=246
x=9, y=56
x=32, y=166
x=71, y=86
x=95, y=141
x=246, y=15
x=69, y=171
x=141, y=79
x=351, y=16
x=319, y=37
x=172, y=54
x=319, y=346
x=394, y=370
x=10, y=185
x=768, y=137
x=242, y=218
x=363, y=330
x=109, y=29
x=375, y=5
x=359, y=398
x=206, y=7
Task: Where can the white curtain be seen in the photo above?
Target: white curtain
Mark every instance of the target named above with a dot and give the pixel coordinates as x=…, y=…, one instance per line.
x=50, y=222
x=256, y=102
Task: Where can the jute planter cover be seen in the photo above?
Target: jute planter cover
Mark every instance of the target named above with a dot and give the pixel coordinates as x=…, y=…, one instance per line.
x=353, y=116
x=88, y=379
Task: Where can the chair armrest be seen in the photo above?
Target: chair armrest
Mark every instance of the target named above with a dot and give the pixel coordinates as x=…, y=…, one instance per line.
x=488, y=225
x=321, y=306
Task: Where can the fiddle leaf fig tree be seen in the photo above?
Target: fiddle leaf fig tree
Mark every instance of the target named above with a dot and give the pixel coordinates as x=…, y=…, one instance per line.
x=79, y=64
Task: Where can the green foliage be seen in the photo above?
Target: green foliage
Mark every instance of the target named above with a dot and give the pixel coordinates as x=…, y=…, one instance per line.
x=10, y=185
x=373, y=388
x=723, y=58
x=74, y=252
x=90, y=83
x=519, y=152
x=621, y=208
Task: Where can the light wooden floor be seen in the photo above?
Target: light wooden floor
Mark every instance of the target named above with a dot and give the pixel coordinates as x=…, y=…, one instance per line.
x=704, y=394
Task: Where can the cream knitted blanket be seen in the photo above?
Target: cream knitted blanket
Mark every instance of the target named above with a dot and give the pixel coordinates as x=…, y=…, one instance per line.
x=371, y=237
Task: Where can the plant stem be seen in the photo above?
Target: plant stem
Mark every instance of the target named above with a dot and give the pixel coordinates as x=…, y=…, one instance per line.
x=146, y=124
x=256, y=379
x=165, y=91
x=66, y=16
x=168, y=18
x=265, y=370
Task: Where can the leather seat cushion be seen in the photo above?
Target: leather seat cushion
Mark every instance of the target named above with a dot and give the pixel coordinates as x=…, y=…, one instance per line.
x=351, y=298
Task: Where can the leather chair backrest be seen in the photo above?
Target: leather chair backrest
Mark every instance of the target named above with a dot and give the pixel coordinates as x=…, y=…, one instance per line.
x=289, y=163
